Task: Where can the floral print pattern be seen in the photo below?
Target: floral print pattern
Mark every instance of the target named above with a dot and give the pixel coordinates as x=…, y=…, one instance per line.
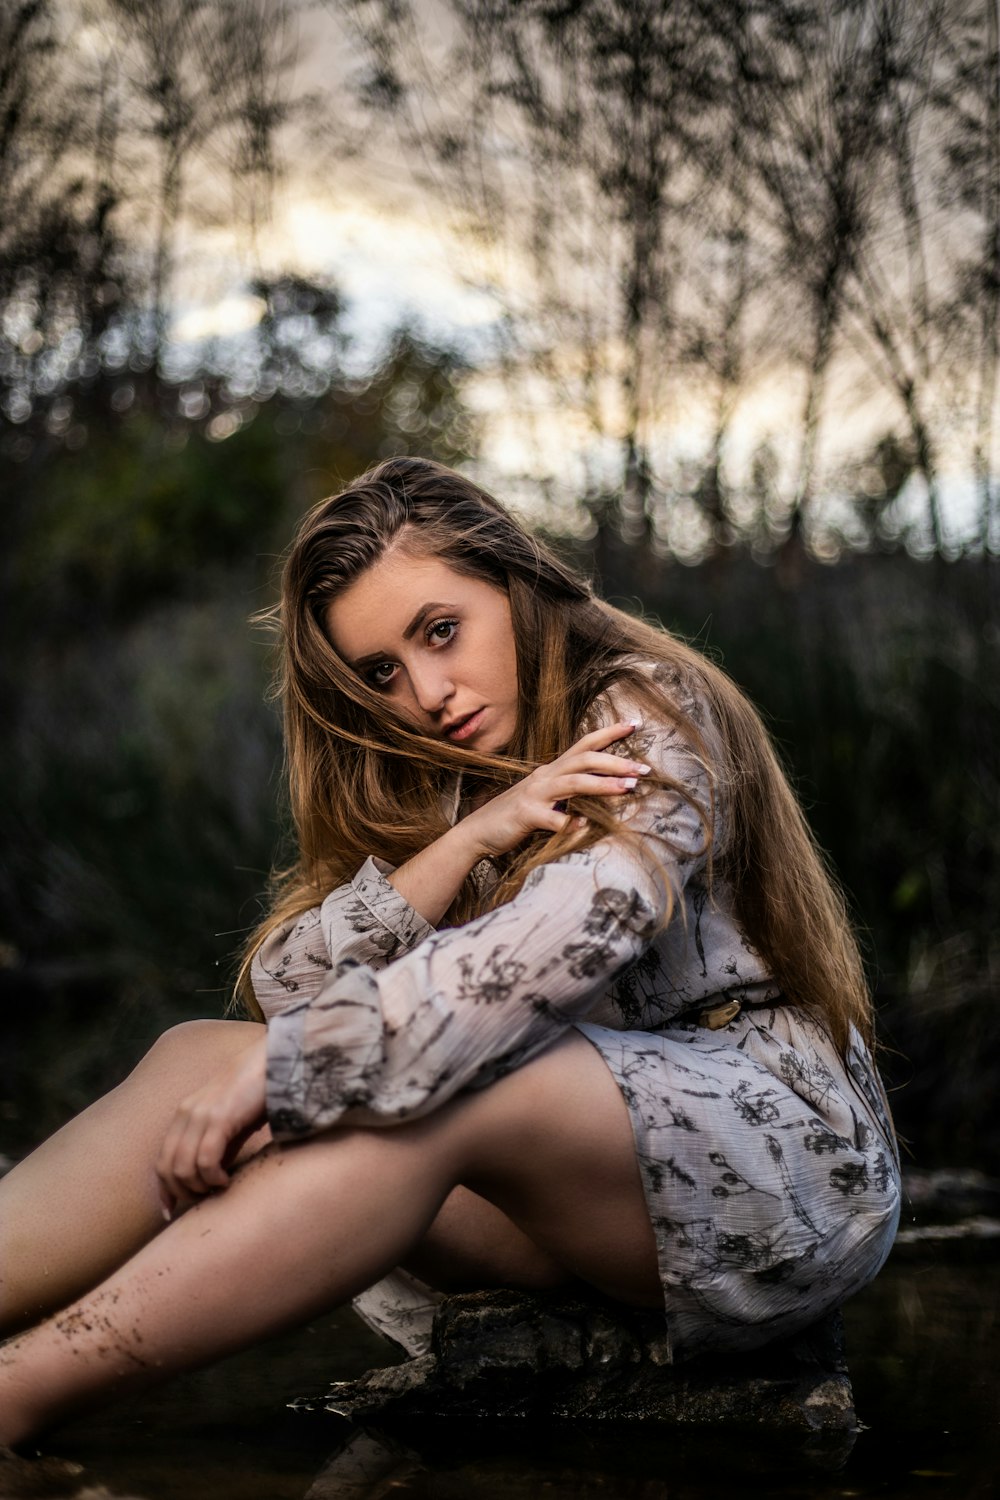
x=767, y=1159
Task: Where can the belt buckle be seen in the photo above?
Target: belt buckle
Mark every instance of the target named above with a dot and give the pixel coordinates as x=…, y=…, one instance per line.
x=717, y=1016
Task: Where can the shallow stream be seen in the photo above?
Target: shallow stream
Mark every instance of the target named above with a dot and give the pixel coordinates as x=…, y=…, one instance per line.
x=923, y=1352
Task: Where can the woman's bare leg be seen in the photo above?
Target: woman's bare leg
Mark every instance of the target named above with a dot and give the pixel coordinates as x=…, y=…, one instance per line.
x=306, y=1227
x=472, y=1244
x=87, y=1199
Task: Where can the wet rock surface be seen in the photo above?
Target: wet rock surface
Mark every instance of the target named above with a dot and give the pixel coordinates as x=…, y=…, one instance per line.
x=955, y=1211
x=950, y=1195
x=507, y=1355
x=26, y=1477
x=922, y=1345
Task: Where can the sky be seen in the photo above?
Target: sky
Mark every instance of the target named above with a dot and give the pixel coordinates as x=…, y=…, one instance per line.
x=391, y=250
x=361, y=221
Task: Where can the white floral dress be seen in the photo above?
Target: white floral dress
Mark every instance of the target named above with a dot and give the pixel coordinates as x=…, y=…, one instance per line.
x=768, y=1160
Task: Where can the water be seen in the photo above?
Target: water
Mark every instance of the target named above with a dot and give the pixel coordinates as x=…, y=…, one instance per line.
x=922, y=1344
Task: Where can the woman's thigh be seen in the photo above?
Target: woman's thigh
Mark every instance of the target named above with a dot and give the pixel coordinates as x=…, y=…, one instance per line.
x=549, y=1151
x=88, y=1197
x=472, y=1245
x=542, y=1168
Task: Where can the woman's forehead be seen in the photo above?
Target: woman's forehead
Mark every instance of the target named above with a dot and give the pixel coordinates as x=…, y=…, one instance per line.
x=382, y=606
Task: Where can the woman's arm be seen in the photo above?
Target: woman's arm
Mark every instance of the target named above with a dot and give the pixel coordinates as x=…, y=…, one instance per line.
x=472, y=1002
x=430, y=881
x=469, y=1003
x=364, y=921
x=370, y=915
x=384, y=912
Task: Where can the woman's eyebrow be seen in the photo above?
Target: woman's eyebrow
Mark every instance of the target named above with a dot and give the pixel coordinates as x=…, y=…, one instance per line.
x=408, y=633
x=420, y=617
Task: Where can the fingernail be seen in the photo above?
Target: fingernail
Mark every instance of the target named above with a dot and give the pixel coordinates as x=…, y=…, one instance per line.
x=167, y=1215
x=629, y=781
x=643, y=770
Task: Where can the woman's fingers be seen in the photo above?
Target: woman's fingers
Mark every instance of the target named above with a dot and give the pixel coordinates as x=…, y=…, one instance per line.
x=198, y=1153
x=585, y=770
x=182, y=1178
x=591, y=773
x=608, y=734
x=593, y=786
x=602, y=762
x=537, y=802
x=189, y=1167
x=584, y=785
x=594, y=748
x=191, y=1159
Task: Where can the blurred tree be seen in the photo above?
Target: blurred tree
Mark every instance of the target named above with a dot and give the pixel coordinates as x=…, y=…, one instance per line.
x=820, y=139
x=416, y=391
x=169, y=508
x=27, y=46
x=968, y=97
x=298, y=343
x=63, y=273
x=568, y=144
x=208, y=89
x=109, y=111
x=902, y=312
x=672, y=202
x=732, y=338
x=876, y=484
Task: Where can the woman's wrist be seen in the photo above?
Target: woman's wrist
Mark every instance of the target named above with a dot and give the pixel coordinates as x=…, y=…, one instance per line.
x=431, y=880
x=465, y=839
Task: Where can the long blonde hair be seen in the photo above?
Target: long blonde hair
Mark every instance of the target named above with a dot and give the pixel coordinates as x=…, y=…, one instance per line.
x=362, y=781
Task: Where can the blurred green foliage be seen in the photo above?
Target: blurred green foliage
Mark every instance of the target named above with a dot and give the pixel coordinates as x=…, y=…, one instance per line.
x=147, y=502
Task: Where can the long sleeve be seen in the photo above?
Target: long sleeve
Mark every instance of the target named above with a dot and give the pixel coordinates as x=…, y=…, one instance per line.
x=365, y=921
x=468, y=1004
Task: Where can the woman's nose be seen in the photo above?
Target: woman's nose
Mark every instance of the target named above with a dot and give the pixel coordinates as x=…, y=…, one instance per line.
x=431, y=687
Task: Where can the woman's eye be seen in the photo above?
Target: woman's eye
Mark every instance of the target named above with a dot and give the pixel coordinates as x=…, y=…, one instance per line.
x=380, y=675
x=442, y=630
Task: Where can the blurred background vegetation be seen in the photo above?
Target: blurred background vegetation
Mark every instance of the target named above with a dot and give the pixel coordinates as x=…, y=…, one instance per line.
x=698, y=200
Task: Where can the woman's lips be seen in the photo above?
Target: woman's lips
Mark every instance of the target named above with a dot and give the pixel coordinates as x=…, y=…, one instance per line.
x=467, y=727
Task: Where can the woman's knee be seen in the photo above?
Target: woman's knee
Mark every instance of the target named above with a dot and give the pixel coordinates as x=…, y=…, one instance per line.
x=194, y=1048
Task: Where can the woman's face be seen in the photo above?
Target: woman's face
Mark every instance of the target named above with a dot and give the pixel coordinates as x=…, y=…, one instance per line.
x=438, y=645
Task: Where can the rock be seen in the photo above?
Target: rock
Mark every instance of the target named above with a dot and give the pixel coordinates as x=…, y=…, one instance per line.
x=41, y=1478
x=949, y=1195
x=505, y=1355
x=949, y=1214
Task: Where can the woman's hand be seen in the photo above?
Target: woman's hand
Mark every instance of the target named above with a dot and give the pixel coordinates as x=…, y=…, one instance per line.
x=209, y=1128
x=586, y=769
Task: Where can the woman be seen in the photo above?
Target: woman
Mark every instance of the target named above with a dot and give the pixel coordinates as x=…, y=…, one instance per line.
x=558, y=988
